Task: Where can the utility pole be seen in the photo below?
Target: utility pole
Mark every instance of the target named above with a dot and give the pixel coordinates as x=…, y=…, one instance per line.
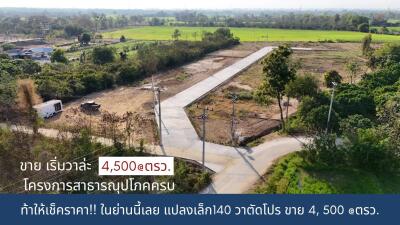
x=234, y=100
x=159, y=113
x=204, y=117
x=334, y=84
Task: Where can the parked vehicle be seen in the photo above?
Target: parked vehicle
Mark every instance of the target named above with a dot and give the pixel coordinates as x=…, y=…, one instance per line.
x=90, y=106
x=48, y=109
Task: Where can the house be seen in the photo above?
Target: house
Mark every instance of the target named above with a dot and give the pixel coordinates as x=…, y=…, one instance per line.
x=37, y=53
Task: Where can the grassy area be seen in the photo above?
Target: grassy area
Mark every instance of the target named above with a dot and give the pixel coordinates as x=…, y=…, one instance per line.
x=292, y=175
x=393, y=29
x=247, y=34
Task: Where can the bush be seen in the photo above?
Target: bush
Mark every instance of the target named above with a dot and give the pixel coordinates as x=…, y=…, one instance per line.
x=129, y=74
x=316, y=119
x=7, y=46
x=332, y=76
x=58, y=56
x=371, y=150
x=387, y=55
x=302, y=86
x=383, y=77
x=351, y=124
x=103, y=55
x=323, y=150
x=313, y=113
x=364, y=27
x=85, y=39
x=352, y=99
x=122, y=39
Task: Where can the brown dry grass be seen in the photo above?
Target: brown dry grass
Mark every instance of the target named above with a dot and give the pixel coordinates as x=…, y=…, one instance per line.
x=253, y=119
x=140, y=102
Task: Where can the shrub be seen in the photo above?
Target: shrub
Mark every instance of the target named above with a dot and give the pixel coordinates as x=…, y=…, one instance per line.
x=332, y=76
x=129, y=74
x=58, y=56
x=7, y=46
x=323, y=150
x=103, y=55
x=122, y=39
x=352, y=99
x=351, y=124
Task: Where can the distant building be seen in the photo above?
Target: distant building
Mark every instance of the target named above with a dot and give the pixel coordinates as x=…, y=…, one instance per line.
x=39, y=53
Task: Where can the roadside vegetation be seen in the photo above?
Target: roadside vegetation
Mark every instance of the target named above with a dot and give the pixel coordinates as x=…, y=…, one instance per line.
x=357, y=149
x=293, y=175
x=16, y=147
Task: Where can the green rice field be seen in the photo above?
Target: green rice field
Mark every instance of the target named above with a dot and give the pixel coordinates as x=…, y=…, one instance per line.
x=247, y=34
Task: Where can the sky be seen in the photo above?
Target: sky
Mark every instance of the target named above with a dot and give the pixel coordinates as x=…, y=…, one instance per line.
x=205, y=4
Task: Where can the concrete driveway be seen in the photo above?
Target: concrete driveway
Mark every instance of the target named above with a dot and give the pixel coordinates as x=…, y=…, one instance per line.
x=237, y=169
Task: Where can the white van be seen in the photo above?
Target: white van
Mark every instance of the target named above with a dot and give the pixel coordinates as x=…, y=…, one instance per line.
x=49, y=108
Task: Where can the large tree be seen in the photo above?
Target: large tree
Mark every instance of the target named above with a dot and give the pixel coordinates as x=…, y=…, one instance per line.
x=103, y=55
x=278, y=72
x=85, y=39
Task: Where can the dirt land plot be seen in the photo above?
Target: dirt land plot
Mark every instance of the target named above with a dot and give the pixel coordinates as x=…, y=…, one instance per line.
x=139, y=101
x=253, y=120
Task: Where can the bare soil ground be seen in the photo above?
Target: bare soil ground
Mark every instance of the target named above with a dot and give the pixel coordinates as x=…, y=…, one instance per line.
x=129, y=109
x=254, y=120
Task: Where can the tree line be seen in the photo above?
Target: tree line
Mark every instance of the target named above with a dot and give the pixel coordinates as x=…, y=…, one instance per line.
x=74, y=24
x=104, y=67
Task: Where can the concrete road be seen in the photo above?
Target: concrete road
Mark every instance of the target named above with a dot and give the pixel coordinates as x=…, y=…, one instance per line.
x=237, y=168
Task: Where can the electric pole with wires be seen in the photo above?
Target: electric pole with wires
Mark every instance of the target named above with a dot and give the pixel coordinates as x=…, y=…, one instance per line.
x=204, y=118
x=159, y=113
x=233, y=122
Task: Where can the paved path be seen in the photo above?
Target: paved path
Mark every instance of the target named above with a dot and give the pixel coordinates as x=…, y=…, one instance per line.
x=237, y=168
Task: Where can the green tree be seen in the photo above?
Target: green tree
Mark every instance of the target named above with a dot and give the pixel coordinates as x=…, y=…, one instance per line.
x=316, y=119
x=122, y=38
x=29, y=66
x=301, y=86
x=352, y=99
x=324, y=151
x=332, y=76
x=85, y=39
x=351, y=124
x=176, y=35
x=388, y=54
x=103, y=55
x=384, y=30
x=366, y=45
x=352, y=67
x=8, y=93
x=364, y=27
x=129, y=74
x=73, y=30
x=7, y=46
x=278, y=72
x=370, y=149
x=58, y=56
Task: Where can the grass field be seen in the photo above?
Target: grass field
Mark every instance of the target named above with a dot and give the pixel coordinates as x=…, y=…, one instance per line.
x=247, y=34
x=292, y=175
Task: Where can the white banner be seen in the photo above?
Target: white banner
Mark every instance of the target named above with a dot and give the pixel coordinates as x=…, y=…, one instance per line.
x=136, y=166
